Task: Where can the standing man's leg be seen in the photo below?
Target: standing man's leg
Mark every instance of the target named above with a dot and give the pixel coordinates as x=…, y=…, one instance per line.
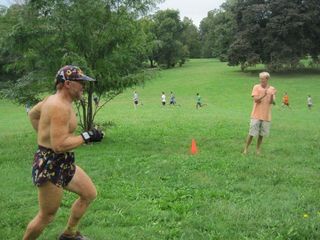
x=49, y=197
x=253, y=131
x=259, y=144
x=82, y=185
x=263, y=132
x=248, y=142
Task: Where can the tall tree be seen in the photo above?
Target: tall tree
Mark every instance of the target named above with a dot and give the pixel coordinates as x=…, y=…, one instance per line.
x=167, y=28
x=217, y=31
x=152, y=44
x=190, y=37
x=9, y=17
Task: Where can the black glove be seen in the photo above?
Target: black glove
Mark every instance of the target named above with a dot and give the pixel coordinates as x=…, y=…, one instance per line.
x=93, y=135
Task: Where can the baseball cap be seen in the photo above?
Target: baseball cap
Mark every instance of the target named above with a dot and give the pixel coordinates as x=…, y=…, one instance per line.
x=71, y=73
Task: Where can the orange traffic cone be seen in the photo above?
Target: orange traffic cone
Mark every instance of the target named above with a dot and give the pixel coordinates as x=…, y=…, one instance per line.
x=193, y=149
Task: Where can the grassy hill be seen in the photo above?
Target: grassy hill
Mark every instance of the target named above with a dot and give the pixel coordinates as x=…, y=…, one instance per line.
x=150, y=187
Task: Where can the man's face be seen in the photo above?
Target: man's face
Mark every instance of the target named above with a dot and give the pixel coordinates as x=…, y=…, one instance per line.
x=77, y=89
x=264, y=81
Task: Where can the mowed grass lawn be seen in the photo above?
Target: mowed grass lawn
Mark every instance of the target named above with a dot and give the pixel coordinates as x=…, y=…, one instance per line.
x=150, y=187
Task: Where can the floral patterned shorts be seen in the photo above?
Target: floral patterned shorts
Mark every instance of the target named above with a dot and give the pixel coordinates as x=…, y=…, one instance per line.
x=58, y=168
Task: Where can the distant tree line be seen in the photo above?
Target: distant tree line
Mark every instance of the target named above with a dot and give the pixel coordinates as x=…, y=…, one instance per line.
x=276, y=33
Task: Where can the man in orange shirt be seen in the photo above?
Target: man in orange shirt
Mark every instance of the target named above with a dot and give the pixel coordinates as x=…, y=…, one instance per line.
x=263, y=95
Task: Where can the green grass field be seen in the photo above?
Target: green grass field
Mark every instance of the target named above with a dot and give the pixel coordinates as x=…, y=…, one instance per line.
x=150, y=187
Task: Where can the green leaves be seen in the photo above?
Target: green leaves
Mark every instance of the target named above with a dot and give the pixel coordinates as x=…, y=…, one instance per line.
x=217, y=32
x=170, y=45
x=276, y=33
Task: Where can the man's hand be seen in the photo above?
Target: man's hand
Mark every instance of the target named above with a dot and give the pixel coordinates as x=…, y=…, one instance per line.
x=93, y=135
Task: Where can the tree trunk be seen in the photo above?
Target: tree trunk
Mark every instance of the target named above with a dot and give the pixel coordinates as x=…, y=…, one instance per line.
x=84, y=114
x=89, y=107
x=151, y=63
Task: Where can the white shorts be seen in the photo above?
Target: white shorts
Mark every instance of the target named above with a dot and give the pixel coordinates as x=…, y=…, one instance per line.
x=259, y=127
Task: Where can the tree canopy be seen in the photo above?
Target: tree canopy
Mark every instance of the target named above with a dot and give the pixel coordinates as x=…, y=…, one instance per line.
x=217, y=31
x=167, y=28
x=277, y=33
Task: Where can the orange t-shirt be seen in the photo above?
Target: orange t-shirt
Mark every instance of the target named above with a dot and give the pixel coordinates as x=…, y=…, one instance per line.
x=262, y=110
x=285, y=99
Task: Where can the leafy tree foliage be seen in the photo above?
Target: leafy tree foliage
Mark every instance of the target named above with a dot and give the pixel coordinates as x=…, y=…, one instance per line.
x=8, y=19
x=170, y=41
x=217, y=31
x=103, y=37
x=190, y=38
x=278, y=33
x=167, y=29
x=152, y=44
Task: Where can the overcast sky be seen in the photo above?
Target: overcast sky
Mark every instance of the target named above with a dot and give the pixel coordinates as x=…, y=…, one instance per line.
x=4, y=2
x=194, y=9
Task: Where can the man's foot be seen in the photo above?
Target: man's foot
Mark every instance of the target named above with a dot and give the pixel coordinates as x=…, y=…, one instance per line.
x=258, y=152
x=77, y=236
x=245, y=151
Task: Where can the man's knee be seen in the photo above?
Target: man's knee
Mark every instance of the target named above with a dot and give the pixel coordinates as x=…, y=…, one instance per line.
x=93, y=194
x=90, y=195
x=47, y=217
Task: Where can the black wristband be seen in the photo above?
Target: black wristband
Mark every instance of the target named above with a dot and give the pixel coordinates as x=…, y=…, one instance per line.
x=85, y=136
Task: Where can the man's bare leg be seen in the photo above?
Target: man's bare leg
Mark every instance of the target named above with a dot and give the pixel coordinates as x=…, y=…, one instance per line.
x=259, y=144
x=49, y=197
x=82, y=185
x=248, y=142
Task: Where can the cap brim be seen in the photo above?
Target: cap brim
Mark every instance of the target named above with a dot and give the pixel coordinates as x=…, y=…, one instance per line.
x=86, y=78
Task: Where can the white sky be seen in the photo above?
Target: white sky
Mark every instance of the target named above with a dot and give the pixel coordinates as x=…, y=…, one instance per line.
x=193, y=9
x=6, y=2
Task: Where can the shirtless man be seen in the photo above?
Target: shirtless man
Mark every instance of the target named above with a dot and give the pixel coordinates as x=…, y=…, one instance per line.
x=53, y=168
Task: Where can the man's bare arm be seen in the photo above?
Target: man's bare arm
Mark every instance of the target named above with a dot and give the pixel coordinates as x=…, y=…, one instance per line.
x=60, y=137
x=273, y=96
x=34, y=115
x=272, y=99
x=258, y=99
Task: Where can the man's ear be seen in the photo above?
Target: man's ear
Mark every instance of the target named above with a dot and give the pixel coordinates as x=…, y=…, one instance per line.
x=67, y=83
